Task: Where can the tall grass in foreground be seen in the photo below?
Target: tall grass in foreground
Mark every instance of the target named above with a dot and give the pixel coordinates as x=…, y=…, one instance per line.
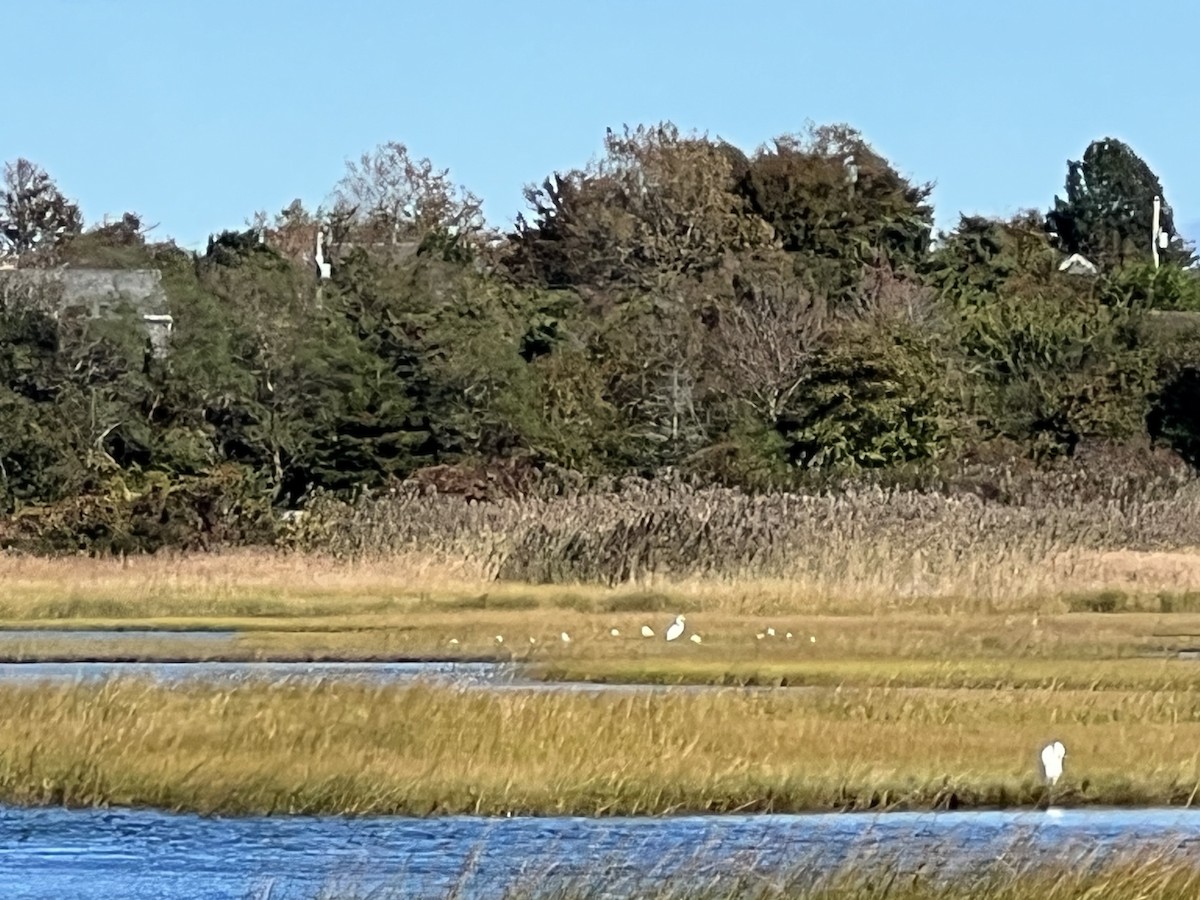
x=1161, y=877
x=427, y=750
x=1165, y=872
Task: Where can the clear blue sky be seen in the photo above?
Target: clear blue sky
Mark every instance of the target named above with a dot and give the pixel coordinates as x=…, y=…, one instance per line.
x=197, y=114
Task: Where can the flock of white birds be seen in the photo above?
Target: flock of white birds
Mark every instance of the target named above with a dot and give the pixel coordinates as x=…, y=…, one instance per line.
x=673, y=633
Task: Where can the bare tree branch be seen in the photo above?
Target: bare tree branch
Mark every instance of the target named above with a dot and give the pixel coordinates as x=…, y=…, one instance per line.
x=765, y=337
x=392, y=197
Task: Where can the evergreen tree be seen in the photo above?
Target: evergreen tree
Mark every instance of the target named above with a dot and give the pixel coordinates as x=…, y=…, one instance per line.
x=1107, y=214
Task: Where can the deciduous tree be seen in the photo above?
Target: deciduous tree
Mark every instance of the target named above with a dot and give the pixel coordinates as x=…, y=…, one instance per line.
x=387, y=195
x=34, y=214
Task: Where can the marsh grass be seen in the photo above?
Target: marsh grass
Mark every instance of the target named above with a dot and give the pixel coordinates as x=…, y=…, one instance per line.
x=847, y=546
x=1019, y=870
x=1161, y=874
x=962, y=674
x=1124, y=649
x=260, y=589
x=893, y=586
x=423, y=750
x=642, y=547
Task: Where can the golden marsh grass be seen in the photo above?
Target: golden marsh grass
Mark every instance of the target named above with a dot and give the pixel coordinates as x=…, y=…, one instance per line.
x=424, y=750
x=1163, y=873
x=306, y=607
x=1160, y=873
x=1080, y=545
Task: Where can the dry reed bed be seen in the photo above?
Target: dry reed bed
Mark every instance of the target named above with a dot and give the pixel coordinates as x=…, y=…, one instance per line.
x=638, y=542
x=426, y=750
x=893, y=547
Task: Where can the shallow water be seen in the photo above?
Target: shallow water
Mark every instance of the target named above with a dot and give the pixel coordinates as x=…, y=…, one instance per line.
x=138, y=855
x=458, y=673
x=479, y=675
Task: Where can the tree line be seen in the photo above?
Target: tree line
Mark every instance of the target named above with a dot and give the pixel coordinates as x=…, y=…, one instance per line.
x=755, y=319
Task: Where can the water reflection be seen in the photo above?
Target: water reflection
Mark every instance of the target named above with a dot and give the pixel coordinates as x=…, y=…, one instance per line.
x=52, y=853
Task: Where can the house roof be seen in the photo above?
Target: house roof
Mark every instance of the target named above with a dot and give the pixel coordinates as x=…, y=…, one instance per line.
x=1078, y=264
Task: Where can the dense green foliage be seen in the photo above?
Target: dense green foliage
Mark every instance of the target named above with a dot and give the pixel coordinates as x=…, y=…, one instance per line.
x=1108, y=211
x=752, y=318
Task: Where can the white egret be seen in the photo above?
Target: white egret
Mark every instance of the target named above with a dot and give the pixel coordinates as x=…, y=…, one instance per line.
x=1052, y=761
x=788, y=635
x=812, y=638
x=760, y=635
x=453, y=640
x=533, y=640
x=615, y=632
x=695, y=639
x=566, y=638
x=676, y=629
x=499, y=639
x=771, y=631
x=647, y=631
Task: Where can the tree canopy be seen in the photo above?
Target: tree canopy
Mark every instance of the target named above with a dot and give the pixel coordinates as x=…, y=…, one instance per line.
x=1107, y=213
x=35, y=216
x=753, y=318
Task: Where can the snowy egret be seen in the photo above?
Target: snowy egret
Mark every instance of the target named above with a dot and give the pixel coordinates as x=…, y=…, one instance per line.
x=676, y=628
x=1052, y=761
x=695, y=639
x=647, y=631
x=615, y=632
x=566, y=638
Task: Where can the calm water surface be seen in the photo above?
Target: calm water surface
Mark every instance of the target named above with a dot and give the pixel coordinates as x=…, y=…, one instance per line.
x=49, y=854
x=461, y=673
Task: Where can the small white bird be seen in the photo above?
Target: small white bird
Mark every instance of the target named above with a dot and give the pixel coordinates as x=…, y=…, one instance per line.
x=1052, y=761
x=771, y=631
x=676, y=629
x=566, y=638
x=615, y=632
x=760, y=635
x=453, y=640
x=533, y=640
x=647, y=631
x=695, y=639
x=788, y=635
x=812, y=638
x=499, y=639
